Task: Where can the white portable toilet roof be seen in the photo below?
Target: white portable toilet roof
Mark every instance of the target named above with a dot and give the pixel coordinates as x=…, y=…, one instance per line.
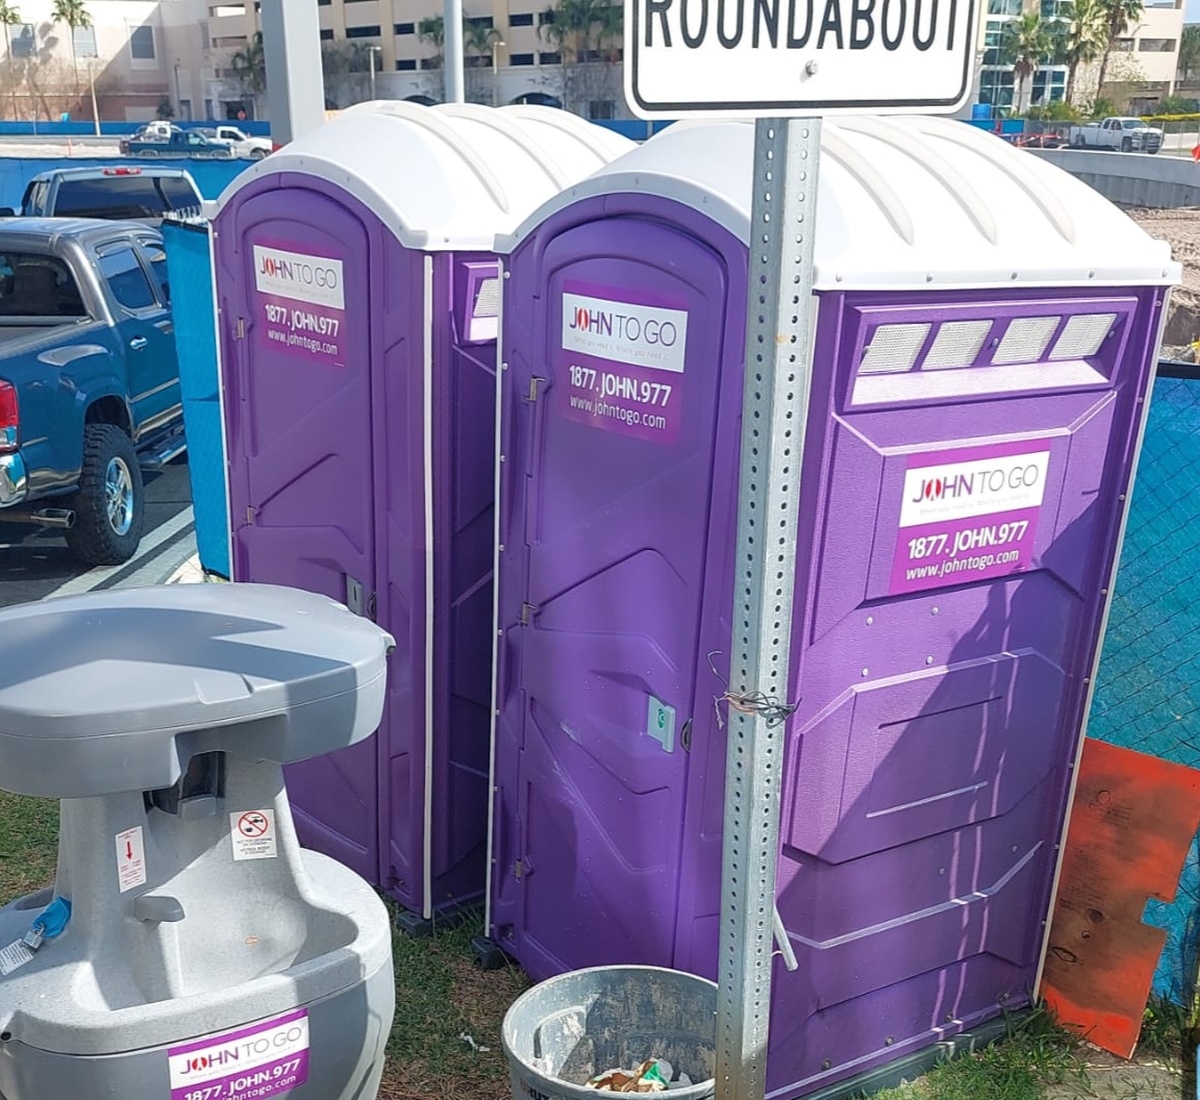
x=448, y=177
x=903, y=202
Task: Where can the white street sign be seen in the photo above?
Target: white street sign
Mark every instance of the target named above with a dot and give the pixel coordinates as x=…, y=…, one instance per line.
x=797, y=57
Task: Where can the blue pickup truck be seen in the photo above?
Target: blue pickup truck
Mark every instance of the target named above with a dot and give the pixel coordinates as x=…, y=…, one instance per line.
x=89, y=378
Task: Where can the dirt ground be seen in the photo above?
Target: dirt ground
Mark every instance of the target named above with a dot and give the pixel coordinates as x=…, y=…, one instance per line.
x=1181, y=229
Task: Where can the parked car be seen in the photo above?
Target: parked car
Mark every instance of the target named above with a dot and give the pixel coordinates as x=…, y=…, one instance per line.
x=177, y=143
x=124, y=193
x=1129, y=135
x=89, y=379
x=243, y=144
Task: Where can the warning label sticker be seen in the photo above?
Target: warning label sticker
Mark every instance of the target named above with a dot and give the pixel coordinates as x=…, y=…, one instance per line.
x=14, y=956
x=253, y=834
x=131, y=859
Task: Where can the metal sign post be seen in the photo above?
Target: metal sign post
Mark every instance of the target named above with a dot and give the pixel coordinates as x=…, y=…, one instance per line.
x=774, y=411
x=794, y=63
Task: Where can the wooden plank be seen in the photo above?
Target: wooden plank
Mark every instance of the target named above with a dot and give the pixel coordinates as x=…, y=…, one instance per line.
x=1131, y=824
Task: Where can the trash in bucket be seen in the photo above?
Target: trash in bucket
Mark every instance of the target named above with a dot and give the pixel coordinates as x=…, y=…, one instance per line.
x=564, y=1037
x=653, y=1075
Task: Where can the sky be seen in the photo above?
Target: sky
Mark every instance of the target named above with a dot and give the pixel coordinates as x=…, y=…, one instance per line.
x=1191, y=11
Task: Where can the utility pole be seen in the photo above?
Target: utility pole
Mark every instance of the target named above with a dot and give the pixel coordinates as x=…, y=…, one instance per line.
x=292, y=52
x=452, y=40
x=372, y=51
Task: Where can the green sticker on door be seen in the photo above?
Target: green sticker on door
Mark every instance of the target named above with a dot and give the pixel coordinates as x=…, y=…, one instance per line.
x=660, y=723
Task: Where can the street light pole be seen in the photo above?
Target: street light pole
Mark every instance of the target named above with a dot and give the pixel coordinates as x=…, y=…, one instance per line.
x=372, y=51
x=497, y=44
x=92, y=83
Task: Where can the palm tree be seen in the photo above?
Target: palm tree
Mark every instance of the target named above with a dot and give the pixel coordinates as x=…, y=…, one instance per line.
x=75, y=14
x=1084, y=38
x=1119, y=16
x=1025, y=44
x=478, y=38
x=1189, y=50
x=432, y=31
x=250, y=66
x=10, y=17
x=580, y=30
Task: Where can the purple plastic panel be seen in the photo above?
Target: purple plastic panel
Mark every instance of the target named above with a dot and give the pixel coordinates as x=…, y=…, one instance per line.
x=327, y=451
x=958, y=523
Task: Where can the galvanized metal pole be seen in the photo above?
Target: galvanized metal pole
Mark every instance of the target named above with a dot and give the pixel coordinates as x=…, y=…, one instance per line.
x=292, y=52
x=452, y=43
x=774, y=409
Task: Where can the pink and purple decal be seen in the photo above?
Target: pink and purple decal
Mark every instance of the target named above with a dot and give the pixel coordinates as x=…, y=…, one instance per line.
x=264, y=1060
x=620, y=367
x=969, y=515
x=300, y=303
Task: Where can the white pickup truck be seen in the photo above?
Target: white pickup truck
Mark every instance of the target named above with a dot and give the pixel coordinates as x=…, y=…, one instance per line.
x=243, y=144
x=1129, y=135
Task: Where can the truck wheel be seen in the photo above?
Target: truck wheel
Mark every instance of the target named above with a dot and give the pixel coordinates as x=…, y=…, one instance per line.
x=1126, y=145
x=257, y=154
x=109, y=509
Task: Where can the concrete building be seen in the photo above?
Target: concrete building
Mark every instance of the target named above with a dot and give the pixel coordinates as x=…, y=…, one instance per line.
x=1141, y=68
x=511, y=52
x=129, y=56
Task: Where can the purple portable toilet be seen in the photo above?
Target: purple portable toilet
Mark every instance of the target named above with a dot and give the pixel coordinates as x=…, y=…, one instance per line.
x=986, y=331
x=358, y=292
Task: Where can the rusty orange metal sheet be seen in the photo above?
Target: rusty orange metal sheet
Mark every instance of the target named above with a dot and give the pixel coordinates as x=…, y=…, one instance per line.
x=1132, y=821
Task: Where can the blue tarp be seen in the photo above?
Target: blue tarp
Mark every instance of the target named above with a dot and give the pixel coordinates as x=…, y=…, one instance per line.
x=189, y=268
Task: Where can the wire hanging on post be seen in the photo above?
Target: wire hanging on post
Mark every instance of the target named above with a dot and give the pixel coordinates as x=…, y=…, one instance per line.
x=774, y=711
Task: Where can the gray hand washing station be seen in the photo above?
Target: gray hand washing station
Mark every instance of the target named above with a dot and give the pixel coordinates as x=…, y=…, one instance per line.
x=188, y=949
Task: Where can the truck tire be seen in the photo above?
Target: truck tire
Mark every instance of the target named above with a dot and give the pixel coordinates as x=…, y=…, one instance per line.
x=1126, y=145
x=109, y=505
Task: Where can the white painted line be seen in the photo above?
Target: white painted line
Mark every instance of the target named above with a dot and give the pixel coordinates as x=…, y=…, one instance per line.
x=85, y=582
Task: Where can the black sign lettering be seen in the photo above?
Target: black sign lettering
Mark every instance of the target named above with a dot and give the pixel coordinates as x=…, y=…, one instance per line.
x=889, y=42
x=766, y=11
x=832, y=21
x=794, y=43
x=692, y=41
x=729, y=40
x=950, y=32
x=918, y=41
x=862, y=26
x=659, y=8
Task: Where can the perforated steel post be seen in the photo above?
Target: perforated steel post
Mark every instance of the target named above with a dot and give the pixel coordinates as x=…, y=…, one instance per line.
x=775, y=401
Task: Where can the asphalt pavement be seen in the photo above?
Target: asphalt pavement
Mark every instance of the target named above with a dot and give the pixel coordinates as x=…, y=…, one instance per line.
x=35, y=562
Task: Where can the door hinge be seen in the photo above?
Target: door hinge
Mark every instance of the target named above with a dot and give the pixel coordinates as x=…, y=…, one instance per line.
x=249, y=514
x=527, y=613
x=534, y=382
x=240, y=331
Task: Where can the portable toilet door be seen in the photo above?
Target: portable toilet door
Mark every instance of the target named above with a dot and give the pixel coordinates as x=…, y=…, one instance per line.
x=358, y=292
x=986, y=331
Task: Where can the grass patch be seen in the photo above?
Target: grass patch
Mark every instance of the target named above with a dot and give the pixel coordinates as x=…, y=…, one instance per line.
x=1035, y=1055
x=28, y=844
x=440, y=995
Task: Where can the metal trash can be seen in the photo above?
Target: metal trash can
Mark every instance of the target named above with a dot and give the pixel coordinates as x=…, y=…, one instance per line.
x=188, y=949
x=563, y=1032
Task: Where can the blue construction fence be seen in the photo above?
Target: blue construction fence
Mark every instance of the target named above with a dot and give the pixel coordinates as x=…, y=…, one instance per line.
x=1148, y=683
x=119, y=129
